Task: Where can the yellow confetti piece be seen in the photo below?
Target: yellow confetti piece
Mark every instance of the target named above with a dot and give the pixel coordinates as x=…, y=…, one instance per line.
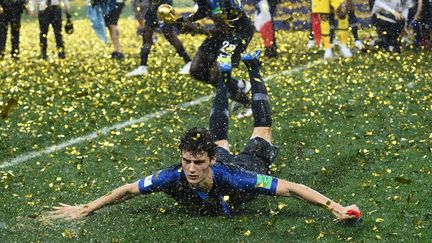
x=281, y=206
x=68, y=234
x=379, y=220
x=310, y=221
x=320, y=235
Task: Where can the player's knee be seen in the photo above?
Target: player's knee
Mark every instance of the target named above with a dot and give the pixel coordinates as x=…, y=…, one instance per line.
x=196, y=71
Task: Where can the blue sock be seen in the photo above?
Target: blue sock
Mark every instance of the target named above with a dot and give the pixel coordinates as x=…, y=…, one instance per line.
x=260, y=101
x=219, y=112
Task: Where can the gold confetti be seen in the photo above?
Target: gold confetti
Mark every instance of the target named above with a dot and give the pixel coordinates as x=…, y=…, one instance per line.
x=320, y=235
x=379, y=220
x=310, y=221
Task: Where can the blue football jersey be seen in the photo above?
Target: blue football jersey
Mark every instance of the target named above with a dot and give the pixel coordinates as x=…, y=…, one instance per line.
x=232, y=186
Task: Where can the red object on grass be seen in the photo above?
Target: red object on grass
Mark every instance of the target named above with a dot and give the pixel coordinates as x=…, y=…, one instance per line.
x=316, y=28
x=355, y=213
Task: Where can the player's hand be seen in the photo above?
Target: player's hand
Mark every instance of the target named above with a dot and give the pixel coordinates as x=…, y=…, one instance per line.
x=33, y=13
x=349, y=213
x=69, y=211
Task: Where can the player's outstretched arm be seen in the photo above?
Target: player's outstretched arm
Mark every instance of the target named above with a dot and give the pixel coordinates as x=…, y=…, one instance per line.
x=285, y=188
x=119, y=194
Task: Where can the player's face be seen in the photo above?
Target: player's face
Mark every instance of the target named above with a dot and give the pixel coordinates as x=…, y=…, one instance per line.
x=197, y=167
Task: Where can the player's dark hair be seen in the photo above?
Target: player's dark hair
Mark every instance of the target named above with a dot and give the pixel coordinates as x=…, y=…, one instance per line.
x=198, y=140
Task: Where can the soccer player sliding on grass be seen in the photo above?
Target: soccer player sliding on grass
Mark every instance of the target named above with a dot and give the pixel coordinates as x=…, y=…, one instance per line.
x=211, y=180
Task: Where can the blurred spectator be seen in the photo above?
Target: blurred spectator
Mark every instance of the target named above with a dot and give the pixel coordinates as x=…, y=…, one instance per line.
x=420, y=18
x=50, y=13
x=111, y=21
x=265, y=11
x=391, y=16
x=10, y=14
x=323, y=8
x=353, y=24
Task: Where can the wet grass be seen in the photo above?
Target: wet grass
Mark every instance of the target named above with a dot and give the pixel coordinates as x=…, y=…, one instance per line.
x=358, y=130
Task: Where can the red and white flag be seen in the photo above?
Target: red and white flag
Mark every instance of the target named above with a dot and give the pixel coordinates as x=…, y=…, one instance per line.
x=263, y=22
x=316, y=28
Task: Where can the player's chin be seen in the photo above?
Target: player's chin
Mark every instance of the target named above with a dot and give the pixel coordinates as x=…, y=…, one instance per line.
x=193, y=179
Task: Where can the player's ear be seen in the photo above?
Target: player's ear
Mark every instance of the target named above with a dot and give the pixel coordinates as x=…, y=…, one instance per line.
x=212, y=160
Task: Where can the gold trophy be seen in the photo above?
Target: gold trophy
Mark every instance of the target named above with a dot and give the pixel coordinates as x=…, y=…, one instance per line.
x=166, y=13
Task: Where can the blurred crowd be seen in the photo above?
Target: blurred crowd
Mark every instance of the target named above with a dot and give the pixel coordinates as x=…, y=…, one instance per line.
x=395, y=22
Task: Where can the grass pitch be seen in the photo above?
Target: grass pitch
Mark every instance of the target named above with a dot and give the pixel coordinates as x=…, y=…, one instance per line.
x=358, y=130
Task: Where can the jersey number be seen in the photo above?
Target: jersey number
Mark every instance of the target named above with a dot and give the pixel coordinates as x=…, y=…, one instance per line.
x=227, y=48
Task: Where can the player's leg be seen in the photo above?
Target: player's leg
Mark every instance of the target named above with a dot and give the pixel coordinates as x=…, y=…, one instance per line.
x=240, y=41
x=322, y=7
x=205, y=69
x=332, y=22
x=219, y=113
x=202, y=64
x=353, y=23
x=342, y=33
x=426, y=23
x=3, y=32
x=236, y=91
x=151, y=23
x=111, y=20
x=381, y=29
x=271, y=51
x=394, y=35
x=15, y=31
x=146, y=44
x=311, y=43
x=57, y=28
x=43, y=25
x=342, y=27
x=259, y=153
x=140, y=10
x=168, y=32
x=260, y=101
x=325, y=35
x=145, y=51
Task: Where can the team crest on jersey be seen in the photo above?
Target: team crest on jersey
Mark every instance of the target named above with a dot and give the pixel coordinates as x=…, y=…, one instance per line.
x=148, y=181
x=264, y=181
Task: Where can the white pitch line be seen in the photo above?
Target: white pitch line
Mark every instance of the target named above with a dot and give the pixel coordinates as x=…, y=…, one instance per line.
x=104, y=131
